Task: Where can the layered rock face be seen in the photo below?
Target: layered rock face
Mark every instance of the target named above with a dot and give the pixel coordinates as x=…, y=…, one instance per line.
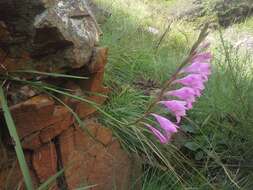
x=58, y=36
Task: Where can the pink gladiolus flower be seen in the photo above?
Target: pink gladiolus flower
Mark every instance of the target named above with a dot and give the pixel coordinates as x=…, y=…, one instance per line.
x=204, y=69
x=185, y=93
x=166, y=124
x=193, y=85
x=195, y=81
x=163, y=139
x=178, y=108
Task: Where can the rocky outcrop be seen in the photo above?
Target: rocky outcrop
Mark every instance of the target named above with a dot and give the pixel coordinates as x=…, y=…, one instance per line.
x=58, y=36
x=52, y=35
x=52, y=141
x=96, y=160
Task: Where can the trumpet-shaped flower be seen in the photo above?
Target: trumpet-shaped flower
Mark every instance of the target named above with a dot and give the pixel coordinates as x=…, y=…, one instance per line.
x=185, y=93
x=195, y=81
x=162, y=138
x=204, y=69
x=178, y=108
x=197, y=74
x=166, y=125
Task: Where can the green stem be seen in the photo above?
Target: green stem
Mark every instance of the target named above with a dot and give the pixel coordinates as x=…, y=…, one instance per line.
x=203, y=34
x=15, y=138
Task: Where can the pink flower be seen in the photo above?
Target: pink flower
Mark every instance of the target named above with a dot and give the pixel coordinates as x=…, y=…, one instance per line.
x=195, y=75
x=165, y=124
x=163, y=139
x=178, y=108
x=195, y=81
x=185, y=93
x=204, y=69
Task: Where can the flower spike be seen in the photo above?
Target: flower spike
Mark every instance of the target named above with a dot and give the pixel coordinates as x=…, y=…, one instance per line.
x=195, y=75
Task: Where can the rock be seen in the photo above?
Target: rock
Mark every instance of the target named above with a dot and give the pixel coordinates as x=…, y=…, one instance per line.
x=98, y=161
x=93, y=85
x=44, y=161
x=54, y=35
x=33, y=115
x=12, y=63
x=86, y=109
x=104, y=135
x=10, y=173
x=58, y=36
x=32, y=142
x=66, y=120
x=72, y=27
x=82, y=108
x=98, y=60
x=39, y=120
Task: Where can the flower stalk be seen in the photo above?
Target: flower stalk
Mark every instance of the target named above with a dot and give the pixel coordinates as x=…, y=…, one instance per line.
x=197, y=74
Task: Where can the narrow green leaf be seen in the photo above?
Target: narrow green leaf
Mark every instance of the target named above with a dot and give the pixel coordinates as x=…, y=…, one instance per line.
x=192, y=146
x=87, y=187
x=14, y=135
x=50, y=180
x=199, y=155
x=188, y=128
x=95, y=105
x=51, y=74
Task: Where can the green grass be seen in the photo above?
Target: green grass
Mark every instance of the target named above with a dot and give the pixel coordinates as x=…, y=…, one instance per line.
x=215, y=152
x=215, y=148
x=246, y=26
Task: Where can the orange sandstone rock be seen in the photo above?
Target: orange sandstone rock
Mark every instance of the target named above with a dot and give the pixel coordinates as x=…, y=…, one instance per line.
x=95, y=160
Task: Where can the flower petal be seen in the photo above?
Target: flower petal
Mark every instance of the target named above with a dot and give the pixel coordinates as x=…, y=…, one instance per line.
x=195, y=81
x=165, y=124
x=178, y=108
x=204, y=69
x=185, y=93
x=163, y=139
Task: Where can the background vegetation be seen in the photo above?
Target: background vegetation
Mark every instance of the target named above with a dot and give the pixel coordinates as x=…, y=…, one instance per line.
x=215, y=149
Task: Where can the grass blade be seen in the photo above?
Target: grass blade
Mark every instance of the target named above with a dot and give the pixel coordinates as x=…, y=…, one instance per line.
x=51, y=74
x=50, y=180
x=87, y=187
x=15, y=138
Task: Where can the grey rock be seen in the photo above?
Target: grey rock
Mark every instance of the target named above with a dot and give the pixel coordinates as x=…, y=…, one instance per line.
x=56, y=33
